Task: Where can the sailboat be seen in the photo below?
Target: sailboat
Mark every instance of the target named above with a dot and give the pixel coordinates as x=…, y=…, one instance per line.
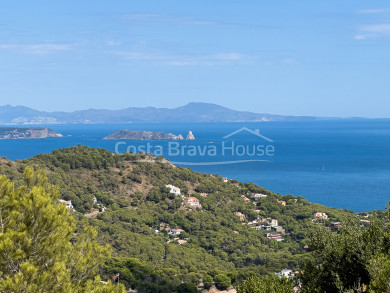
x=323, y=168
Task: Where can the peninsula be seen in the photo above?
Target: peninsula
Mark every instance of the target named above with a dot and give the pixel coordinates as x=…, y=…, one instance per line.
x=143, y=135
x=27, y=133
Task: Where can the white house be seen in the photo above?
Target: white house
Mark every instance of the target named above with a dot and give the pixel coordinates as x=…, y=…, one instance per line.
x=287, y=273
x=173, y=189
x=68, y=203
x=273, y=222
x=175, y=232
x=274, y=236
x=192, y=202
x=259, y=195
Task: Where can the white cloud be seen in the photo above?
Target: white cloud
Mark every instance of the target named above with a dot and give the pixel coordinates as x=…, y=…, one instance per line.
x=36, y=49
x=184, y=60
x=372, y=11
x=373, y=31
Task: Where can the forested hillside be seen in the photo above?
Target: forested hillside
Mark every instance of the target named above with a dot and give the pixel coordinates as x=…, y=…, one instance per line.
x=160, y=239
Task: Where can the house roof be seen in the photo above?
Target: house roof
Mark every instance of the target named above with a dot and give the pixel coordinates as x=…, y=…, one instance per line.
x=192, y=198
x=175, y=230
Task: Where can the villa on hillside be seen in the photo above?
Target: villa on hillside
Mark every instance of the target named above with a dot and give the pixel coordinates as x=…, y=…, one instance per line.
x=173, y=189
x=319, y=215
x=282, y=202
x=225, y=179
x=274, y=236
x=174, y=232
x=192, y=202
x=335, y=226
x=245, y=198
x=68, y=203
x=365, y=221
x=257, y=196
x=286, y=273
x=240, y=215
x=251, y=223
x=270, y=222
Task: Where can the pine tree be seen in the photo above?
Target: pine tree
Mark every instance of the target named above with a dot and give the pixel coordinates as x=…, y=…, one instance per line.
x=40, y=250
x=268, y=284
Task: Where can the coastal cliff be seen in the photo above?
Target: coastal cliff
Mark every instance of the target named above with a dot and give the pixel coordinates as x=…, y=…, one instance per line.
x=27, y=133
x=143, y=135
x=190, y=136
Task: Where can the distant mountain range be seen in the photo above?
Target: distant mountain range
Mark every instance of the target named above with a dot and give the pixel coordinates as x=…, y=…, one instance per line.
x=192, y=112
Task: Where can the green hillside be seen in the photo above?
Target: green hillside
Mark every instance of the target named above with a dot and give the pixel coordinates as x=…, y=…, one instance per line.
x=125, y=197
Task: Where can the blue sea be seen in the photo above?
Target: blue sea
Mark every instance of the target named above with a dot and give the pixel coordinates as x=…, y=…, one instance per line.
x=343, y=164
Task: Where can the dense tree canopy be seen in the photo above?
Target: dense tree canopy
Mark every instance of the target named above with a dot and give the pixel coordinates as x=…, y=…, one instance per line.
x=125, y=199
x=354, y=260
x=269, y=284
x=38, y=252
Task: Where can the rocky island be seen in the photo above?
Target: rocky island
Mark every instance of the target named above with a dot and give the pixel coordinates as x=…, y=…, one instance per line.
x=190, y=136
x=143, y=135
x=27, y=132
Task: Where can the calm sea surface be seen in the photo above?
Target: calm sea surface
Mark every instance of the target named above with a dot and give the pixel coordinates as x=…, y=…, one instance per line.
x=344, y=164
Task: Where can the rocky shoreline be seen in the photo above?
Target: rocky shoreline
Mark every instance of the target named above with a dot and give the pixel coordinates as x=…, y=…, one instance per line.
x=27, y=133
x=146, y=135
x=143, y=135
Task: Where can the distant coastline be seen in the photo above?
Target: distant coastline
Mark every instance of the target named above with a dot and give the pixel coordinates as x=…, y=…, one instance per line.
x=354, y=152
x=143, y=135
x=27, y=133
x=192, y=112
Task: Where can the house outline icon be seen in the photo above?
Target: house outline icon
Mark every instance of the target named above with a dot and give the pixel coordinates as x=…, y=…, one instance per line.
x=254, y=132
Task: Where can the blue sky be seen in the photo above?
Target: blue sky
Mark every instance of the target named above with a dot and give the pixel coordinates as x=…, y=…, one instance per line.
x=324, y=58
